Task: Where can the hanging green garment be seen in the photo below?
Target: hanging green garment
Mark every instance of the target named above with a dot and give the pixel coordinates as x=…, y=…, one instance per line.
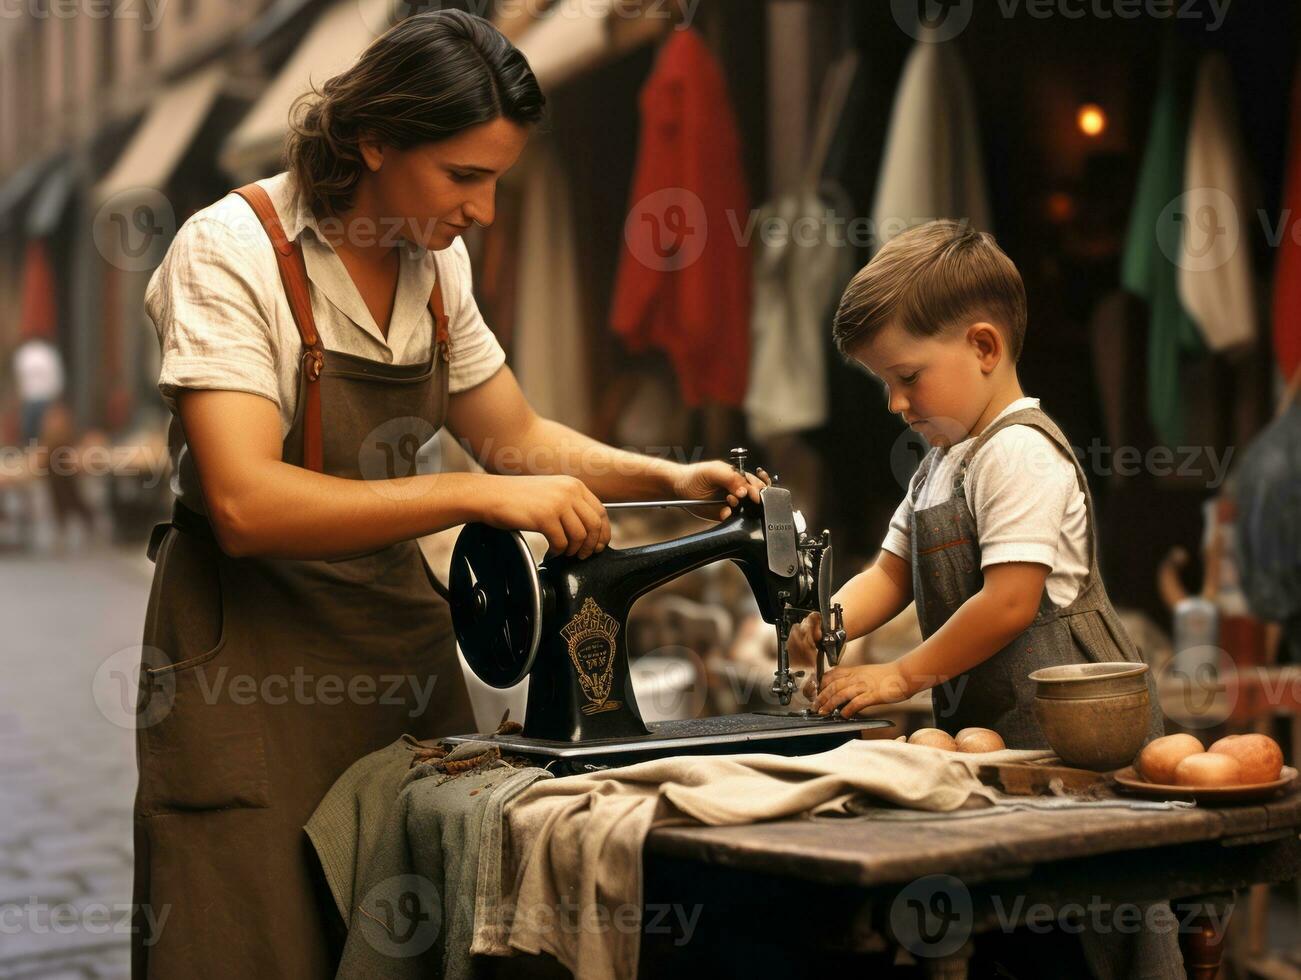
x=1155, y=240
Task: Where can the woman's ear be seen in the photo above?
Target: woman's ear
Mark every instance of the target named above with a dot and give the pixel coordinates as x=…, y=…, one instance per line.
x=987, y=343
x=372, y=153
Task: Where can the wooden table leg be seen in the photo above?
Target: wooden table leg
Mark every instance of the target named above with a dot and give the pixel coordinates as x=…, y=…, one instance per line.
x=1203, y=945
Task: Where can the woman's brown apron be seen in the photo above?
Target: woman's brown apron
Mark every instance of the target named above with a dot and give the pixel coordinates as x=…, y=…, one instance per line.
x=264, y=679
x=998, y=692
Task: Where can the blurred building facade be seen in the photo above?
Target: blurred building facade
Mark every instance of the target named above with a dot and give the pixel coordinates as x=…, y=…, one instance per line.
x=109, y=113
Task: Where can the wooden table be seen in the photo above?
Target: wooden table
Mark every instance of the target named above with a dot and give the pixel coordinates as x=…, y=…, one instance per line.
x=776, y=896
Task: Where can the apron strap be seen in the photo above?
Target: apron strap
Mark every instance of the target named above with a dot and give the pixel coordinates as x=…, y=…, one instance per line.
x=293, y=274
x=1037, y=418
x=436, y=310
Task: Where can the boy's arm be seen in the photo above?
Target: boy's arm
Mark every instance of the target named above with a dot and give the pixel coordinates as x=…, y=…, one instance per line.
x=870, y=599
x=1006, y=604
x=875, y=595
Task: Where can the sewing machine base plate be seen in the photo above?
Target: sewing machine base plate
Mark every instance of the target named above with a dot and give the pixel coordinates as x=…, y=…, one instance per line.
x=778, y=732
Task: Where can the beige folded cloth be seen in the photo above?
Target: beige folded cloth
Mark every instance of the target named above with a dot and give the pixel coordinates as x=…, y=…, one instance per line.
x=571, y=881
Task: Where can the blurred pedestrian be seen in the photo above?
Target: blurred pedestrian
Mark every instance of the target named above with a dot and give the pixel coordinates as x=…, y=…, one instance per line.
x=38, y=375
x=48, y=434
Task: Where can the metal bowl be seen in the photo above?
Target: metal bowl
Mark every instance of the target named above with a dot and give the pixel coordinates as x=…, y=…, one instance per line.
x=1095, y=716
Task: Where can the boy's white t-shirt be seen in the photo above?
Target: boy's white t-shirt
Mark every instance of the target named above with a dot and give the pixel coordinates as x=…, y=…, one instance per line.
x=1024, y=495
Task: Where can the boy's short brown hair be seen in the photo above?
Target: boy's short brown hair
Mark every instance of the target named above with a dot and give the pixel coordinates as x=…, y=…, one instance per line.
x=928, y=279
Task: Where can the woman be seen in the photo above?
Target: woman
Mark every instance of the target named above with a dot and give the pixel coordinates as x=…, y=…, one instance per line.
x=316, y=327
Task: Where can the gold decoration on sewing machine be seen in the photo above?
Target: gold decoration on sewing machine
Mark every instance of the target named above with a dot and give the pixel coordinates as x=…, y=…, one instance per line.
x=590, y=636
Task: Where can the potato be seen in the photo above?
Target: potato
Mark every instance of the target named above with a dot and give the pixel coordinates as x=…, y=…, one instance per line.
x=1159, y=758
x=934, y=738
x=979, y=740
x=1208, y=769
x=1259, y=755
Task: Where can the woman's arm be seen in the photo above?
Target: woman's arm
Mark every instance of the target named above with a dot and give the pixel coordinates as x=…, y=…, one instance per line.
x=506, y=436
x=259, y=505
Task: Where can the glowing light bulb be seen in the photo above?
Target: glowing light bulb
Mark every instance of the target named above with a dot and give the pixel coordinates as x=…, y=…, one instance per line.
x=1091, y=119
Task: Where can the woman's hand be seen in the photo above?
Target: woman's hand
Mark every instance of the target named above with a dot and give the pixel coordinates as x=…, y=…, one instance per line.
x=709, y=478
x=561, y=508
x=854, y=688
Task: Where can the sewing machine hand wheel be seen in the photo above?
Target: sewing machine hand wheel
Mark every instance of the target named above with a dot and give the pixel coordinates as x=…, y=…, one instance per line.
x=496, y=603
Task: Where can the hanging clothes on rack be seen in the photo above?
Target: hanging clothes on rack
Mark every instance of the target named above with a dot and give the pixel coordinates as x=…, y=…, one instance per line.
x=798, y=275
x=933, y=166
x=549, y=347
x=683, y=281
x=1287, y=270
x=1216, y=282
x=1154, y=241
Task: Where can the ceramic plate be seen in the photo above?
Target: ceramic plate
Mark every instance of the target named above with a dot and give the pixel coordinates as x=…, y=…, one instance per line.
x=1128, y=779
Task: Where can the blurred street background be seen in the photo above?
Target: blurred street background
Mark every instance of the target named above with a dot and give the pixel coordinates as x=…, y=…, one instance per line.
x=68, y=770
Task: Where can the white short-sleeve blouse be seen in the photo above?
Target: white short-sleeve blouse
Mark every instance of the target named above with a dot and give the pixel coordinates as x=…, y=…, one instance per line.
x=223, y=320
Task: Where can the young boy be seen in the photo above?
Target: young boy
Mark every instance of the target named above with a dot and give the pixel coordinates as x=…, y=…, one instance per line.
x=994, y=539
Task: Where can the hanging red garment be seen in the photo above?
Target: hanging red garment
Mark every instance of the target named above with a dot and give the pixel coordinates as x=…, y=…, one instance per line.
x=683, y=283
x=38, y=310
x=1287, y=271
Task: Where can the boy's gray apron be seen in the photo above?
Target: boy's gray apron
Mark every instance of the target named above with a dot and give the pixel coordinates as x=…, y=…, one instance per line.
x=998, y=694
x=264, y=679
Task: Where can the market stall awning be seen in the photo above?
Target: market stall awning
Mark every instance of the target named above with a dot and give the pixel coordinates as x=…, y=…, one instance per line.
x=50, y=200
x=576, y=36
x=168, y=129
x=21, y=183
x=275, y=18
x=333, y=43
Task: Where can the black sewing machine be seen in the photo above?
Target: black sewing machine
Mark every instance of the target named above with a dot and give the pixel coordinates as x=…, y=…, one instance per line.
x=564, y=625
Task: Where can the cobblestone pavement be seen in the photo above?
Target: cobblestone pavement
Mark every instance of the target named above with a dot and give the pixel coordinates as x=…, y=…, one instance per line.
x=67, y=765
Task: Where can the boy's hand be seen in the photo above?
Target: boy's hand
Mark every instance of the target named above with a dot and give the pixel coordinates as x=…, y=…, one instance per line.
x=854, y=688
x=802, y=644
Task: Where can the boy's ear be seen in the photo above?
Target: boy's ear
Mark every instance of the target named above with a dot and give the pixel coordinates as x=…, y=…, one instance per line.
x=987, y=342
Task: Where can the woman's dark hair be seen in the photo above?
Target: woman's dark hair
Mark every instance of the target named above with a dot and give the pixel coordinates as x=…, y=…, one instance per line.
x=427, y=78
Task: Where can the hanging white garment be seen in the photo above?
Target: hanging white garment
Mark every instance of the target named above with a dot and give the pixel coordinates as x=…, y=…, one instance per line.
x=796, y=277
x=932, y=166
x=549, y=349
x=1215, y=278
